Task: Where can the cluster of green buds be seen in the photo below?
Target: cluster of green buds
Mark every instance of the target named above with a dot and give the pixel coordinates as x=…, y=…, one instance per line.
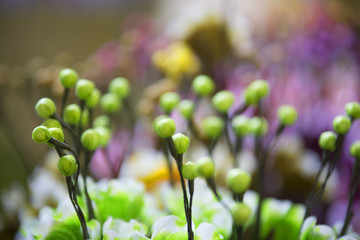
x=119, y=89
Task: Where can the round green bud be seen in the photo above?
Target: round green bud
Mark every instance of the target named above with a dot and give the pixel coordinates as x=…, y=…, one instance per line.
x=241, y=213
x=105, y=135
x=56, y=133
x=189, y=171
x=205, y=167
x=72, y=114
x=353, y=109
x=168, y=101
x=258, y=126
x=223, y=100
x=165, y=127
x=90, y=139
x=67, y=165
x=355, y=150
x=181, y=143
x=240, y=125
x=45, y=107
x=68, y=77
x=186, y=108
x=101, y=121
x=238, y=180
x=260, y=88
x=51, y=123
x=120, y=86
x=93, y=100
x=327, y=140
x=41, y=134
x=287, y=115
x=213, y=126
x=85, y=117
x=203, y=86
x=110, y=103
x=341, y=124
x=250, y=98
x=84, y=88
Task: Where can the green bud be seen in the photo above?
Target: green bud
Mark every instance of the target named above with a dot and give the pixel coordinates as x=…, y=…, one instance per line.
x=327, y=140
x=85, y=117
x=45, y=107
x=241, y=213
x=213, y=127
x=353, y=109
x=120, y=86
x=287, y=115
x=238, y=180
x=256, y=91
x=186, y=108
x=181, y=143
x=168, y=101
x=341, y=124
x=84, y=88
x=249, y=97
x=67, y=165
x=223, y=100
x=90, y=139
x=203, y=86
x=258, y=126
x=105, y=135
x=93, y=100
x=68, y=77
x=110, y=103
x=51, y=123
x=56, y=133
x=355, y=150
x=205, y=167
x=72, y=114
x=165, y=127
x=101, y=121
x=241, y=125
x=41, y=134
x=189, y=171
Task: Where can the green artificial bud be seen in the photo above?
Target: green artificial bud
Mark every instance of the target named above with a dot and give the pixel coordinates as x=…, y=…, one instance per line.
x=120, y=86
x=105, y=135
x=241, y=125
x=84, y=88
x=255, y=92
x=186, y=108
x=250, y=98
x=110, y=103
x=165, y=127
x=287, y=115
x=56, y=133
x=68, y=77
x=90, y=139
x=93, y=100
x=41, y=134
x=205, y=167
x=258, y=126
x=72, y=114
x=238, y=180
x=101, y=121
x=353, y=109
x=85, y=117
x=241, y=213
x=213, y=126
x=341, y=124
x=203, y=86
x=181, y=143
x=355, y=150
x=223, y=100
x=189, y=171
x=51, y=123
x=327, y=140
x=67, y=165
x=45, y=107
x=168, y=101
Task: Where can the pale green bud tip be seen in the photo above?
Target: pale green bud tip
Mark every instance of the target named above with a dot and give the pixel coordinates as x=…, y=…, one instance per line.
x=93, y=99
x=67, y=165
x=72, y=114
x=238, y=180
x=168, y=101
x=186, y=108
x=90, y=139
x=105, y=136
x=327, y=140
x=355, y=150
x=241, y=213
x=68, y=77
x=56, y=133
x=341, y=124
x=223, y=100
x=213, y=127
x=241, y=125
x=41, y=134
x=205, y=167
x=181, y=143
x=165, y=127
x=353, y=109
x=84, y=88
x=101, y=121
x=189, y=171
x=203, y=85
x=45, y=107
x=258, y=126
x=287, y=115
x=110, y=103
x=51, y=123
x=120, y=86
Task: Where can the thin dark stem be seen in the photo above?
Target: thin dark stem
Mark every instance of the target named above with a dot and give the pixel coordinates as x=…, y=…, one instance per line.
x=212, y=186
x=227, y=135
x=169, y=164
x=239, y=111
x=191, y=192
x=260, y=184
x=63, y=102
x=90, y=208
x=131, y=114
x=64, y=124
